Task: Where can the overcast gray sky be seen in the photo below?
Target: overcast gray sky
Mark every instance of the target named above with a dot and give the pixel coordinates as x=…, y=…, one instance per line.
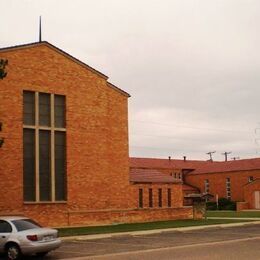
x=191, y=67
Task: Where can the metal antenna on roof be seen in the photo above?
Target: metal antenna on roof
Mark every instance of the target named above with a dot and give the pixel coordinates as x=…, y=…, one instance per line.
x=210, y=155
x=226, y=153
x=40, y=29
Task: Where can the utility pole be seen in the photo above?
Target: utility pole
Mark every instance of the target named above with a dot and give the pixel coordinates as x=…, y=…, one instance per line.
x=226, y=153
x=210, y=155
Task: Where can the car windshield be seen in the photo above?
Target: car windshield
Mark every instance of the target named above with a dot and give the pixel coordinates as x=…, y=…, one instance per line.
x=24, y=224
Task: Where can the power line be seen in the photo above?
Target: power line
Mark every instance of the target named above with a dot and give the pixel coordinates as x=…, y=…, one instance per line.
x=191, y=127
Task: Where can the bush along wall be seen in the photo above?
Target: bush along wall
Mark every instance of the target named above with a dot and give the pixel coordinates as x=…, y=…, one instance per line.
x=223, y=204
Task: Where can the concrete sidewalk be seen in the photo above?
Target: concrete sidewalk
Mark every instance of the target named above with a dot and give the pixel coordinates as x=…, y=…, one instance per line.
x=157, y=231
x=256, y=219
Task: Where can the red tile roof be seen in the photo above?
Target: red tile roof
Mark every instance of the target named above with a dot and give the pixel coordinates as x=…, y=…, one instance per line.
x=186, y=187
x=151, y=176
x=229, y=166
x=198, y=167
x=165, y=163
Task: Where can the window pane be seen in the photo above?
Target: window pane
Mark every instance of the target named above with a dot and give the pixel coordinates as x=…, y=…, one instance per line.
x=159, y=197
x=28, y=108
x=44, y=109
x=60, y=166
x=45, y=165
x=59, y=111
x=150, y=198
x=29, y=165
x=169, y=198
x=5, y=227
x=140, y=198
x=25, y=224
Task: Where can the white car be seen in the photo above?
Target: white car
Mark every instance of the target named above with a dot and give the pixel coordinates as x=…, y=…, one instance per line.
x=22, y=236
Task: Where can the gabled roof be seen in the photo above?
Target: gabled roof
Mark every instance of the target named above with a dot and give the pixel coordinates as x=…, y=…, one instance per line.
x=196, y=167
x=67, y=55
x=229, y=166
x=165, y=163
x=187, y=187
x=150, y=176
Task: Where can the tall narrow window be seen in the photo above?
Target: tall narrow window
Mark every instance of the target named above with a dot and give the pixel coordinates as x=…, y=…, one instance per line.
x=206, y=186
x=59, y=103
x=44, y=109
x=28, y=108
x=150, y=198
x=29, y=165
x=160, y=198
x=60, y=166
x=228, y=188
x=45, y=165
x=140, y=198
x=169, y=195
x=44, y=147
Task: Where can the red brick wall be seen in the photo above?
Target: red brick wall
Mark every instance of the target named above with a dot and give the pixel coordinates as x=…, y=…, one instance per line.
x=129, y=216
x=242, y=205
x=97, y=140
x=97, y=132
x=176, y=194
x=217, y=182
x=249, y=193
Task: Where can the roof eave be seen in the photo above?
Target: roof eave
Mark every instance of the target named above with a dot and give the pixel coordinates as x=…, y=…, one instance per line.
x=34, y=44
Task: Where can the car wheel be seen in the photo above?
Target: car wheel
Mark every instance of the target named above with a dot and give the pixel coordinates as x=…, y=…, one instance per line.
x=13, y=252
x=42, y=254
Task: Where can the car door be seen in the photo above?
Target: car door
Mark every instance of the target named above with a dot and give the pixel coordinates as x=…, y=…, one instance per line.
x=5, y=232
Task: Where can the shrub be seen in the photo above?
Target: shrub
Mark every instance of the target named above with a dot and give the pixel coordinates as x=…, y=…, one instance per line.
x=225, y=204
x=211, y=205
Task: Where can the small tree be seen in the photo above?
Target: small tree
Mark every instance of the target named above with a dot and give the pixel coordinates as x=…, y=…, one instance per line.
x=3, y=63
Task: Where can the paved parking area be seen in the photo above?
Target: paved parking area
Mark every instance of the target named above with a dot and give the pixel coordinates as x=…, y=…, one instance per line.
x=128, y=243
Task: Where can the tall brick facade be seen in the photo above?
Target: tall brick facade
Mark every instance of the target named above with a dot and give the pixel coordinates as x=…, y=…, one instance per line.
x=98, y=188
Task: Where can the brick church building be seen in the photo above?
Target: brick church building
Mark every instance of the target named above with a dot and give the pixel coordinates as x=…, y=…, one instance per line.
x=64, y=160
x=238, y=180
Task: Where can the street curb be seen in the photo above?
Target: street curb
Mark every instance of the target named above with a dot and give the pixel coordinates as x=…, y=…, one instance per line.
x=156, y=231
x=122, y=254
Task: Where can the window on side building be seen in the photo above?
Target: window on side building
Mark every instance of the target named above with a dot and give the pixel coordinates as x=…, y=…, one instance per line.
x=228, y=188
x=160, y=198
x=250, y=178
x=206, y=186
x=140, y=203
x=150, y=198
x=169, y=198
x=44, y=147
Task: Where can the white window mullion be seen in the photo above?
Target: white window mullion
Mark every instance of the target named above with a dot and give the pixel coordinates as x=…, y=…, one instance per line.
x=37, y=164
x=52, y=150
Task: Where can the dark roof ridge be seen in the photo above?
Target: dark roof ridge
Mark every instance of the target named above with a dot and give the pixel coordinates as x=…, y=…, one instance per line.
x=118, y=89
x=166, y=159
x=33, y=44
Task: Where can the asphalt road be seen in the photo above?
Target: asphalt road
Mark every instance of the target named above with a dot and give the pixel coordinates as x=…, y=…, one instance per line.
x=211, y=243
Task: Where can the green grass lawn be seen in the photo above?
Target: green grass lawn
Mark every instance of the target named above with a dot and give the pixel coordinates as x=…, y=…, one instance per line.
x=140, y=226
x=233, y=214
